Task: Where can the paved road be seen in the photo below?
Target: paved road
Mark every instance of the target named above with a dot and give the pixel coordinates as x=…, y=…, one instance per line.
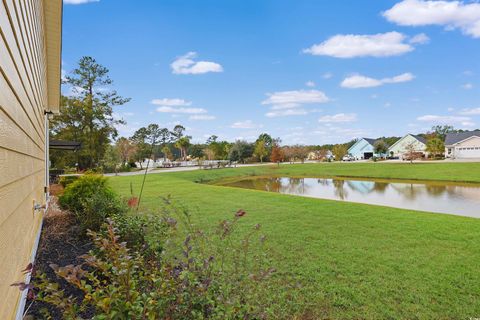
x=176, y=169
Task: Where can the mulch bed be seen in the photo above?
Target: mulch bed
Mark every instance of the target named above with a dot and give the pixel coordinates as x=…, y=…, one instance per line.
x=61, y=243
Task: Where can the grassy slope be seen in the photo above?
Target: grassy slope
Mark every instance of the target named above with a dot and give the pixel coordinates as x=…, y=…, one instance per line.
x=355, y=261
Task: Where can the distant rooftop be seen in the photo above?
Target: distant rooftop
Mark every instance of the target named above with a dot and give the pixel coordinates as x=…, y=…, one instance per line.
x=453, y=138
x=420, y=138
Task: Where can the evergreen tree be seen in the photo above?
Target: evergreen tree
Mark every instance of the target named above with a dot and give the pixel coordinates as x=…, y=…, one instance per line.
x=87, y=115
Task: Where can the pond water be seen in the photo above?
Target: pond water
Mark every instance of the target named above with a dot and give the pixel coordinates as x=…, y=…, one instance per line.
x=458, y=199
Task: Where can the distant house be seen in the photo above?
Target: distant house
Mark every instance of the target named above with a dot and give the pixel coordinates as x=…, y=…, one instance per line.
x=400, y=148
x=463, y=145
x=317, y=155
x=364, y=149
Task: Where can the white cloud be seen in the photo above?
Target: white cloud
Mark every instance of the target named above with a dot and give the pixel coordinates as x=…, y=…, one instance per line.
x=359, y=81
x=202, y=117
x=450, y=14
x=295, y=98
x=310, y=84
x=285, y=106
x=171, y=102
x=470, y=112
x=464, y=121
x=126, y=130
x=247, y=124
x=339, y=117
x=327, y=75
x=181, y=110
x=420, y=38
x=274, y=113
x=331, y=133
x=79, y=1
x=467, y=86
x=74, y=91
x=177, y=107
x=350, y=45
x=187, y=65
x=288, y=103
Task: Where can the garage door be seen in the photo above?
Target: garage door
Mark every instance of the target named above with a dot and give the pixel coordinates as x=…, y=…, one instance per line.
x=467, y=152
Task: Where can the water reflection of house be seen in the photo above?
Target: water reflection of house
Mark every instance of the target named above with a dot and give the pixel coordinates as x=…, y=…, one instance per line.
x=408, y=190
x=363, y=187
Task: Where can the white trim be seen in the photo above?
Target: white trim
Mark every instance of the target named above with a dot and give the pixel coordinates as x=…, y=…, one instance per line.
x=23, y=297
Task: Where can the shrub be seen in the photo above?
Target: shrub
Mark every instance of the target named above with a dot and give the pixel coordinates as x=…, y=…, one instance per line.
x=66, y=180
x=216, y=276
x=91, y=200
x=125, y=168
x=145, y=233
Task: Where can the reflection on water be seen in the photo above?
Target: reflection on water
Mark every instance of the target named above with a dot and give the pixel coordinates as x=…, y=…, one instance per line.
x=461, y=200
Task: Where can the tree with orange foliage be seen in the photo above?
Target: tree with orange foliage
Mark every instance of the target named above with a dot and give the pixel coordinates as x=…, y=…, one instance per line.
x=277, y=154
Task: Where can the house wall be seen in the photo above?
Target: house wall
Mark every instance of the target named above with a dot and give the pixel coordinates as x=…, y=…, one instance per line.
x=24, y=97
x=399, y=148
x=359, y=148
x=470, y=148
x=468, y=143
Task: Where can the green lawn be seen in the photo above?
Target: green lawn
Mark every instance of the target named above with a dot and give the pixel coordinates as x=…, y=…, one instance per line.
x=354, y=261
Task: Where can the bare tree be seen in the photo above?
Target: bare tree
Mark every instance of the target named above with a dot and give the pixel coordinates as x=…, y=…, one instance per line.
x=411, y=152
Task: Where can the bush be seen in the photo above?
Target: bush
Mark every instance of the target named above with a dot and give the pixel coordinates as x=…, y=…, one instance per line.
x=125, y=168
x=91, y=200
x=216, y=276
x=66, y=180
x=145, y=233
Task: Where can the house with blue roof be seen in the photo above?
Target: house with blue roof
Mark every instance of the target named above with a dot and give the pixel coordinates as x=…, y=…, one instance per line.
x=364, y=149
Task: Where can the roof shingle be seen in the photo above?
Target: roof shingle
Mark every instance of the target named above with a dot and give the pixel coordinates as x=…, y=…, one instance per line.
x=453, y=138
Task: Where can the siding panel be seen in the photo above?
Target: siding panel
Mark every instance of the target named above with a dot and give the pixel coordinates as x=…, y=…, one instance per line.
x=11, y=106
x=16, y=242
x=19, y=53
x=9, y=72
x=32, y=40
x=13, y=138
x=23, y=99
x=16, y=166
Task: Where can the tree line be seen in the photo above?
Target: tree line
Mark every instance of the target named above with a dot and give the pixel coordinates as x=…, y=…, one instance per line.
x=87, y=117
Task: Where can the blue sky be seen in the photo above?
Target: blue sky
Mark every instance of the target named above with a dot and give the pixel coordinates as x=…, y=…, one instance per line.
x=307, y=71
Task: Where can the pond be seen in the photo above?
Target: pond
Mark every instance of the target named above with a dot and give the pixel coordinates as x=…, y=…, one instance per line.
x=457, y=199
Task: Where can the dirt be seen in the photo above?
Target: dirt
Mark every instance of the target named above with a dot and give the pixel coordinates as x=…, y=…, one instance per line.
x=61, y=243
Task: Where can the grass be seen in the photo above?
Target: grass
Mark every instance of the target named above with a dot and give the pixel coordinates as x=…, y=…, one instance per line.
x=353, y=261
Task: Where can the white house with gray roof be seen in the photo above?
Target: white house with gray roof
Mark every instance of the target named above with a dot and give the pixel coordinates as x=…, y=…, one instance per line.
x=401, y=148
x=463, y=145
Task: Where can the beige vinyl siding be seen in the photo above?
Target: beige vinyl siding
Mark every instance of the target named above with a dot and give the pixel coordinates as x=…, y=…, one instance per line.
x=24, y=97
